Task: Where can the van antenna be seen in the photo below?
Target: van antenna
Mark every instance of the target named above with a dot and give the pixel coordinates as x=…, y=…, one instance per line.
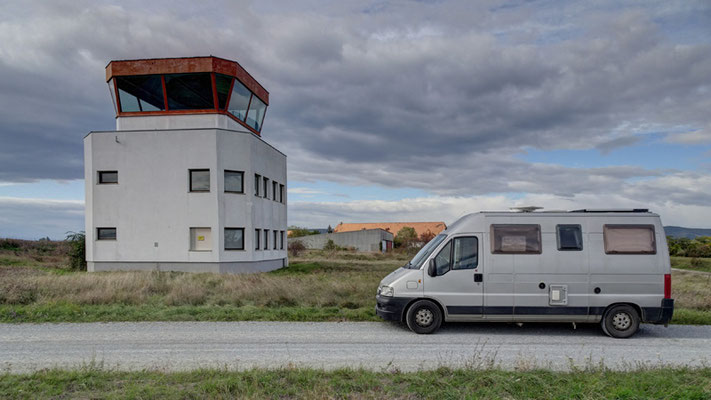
x=526, y=209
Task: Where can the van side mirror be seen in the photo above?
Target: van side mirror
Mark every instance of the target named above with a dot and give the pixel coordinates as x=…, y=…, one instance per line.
x=432, y=268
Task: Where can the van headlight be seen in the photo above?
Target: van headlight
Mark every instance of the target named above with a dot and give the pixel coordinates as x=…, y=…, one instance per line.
x=386, y=291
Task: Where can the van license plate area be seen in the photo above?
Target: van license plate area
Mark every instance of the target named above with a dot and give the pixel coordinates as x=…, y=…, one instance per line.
x=558, y=295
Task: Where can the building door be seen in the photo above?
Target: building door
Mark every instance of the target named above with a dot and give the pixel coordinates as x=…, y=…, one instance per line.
x=458, y=285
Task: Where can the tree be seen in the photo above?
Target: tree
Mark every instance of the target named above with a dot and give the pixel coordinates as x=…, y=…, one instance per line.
x=296, y=231
x=77, y=250
x=425, y=237
x=405, y=237
x=296, y=247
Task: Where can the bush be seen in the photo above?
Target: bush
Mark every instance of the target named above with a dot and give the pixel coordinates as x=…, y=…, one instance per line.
x=296, y=247
x=406, y=237
x=77, y=250
x=331, y=246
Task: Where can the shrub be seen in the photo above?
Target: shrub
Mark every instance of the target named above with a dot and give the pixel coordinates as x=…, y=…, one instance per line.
x=406, y=237
x=331, y=246
x=296, y=247
x=77, y=251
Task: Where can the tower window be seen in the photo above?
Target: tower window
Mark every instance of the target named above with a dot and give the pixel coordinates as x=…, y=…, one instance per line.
x=107, y=177
x=234, y=181
x=105, y=233
x=199, y=180
x=234, y=238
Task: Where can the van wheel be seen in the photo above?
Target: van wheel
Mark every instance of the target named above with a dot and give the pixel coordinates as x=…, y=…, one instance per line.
x=620, y=321
x=423, y=317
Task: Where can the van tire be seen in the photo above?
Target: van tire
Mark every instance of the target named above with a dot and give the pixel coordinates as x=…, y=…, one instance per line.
x=423, y=317
x=621, y=321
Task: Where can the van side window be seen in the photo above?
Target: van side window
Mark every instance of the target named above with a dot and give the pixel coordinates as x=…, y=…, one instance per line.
x=570, y=237
x=515, y=239
x=629, y=239
x=443, y=258
x=466, y=253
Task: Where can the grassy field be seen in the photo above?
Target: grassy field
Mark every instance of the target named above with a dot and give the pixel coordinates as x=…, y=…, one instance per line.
x=35, y=286
x=669, y=383
x=692, y=264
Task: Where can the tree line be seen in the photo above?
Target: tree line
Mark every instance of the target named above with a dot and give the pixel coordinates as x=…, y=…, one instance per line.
x=685, y=247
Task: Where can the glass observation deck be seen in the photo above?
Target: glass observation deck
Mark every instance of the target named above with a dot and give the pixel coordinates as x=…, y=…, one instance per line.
x=196, y=85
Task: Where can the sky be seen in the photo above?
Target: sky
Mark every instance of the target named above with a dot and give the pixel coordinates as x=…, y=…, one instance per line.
x=388, y=110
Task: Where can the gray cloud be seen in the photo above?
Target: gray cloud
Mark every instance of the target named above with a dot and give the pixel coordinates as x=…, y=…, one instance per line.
x=441, y=97
x=36, y=218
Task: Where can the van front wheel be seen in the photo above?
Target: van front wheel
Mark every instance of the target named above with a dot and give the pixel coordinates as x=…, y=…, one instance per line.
x=423, y=317
x=620, y=321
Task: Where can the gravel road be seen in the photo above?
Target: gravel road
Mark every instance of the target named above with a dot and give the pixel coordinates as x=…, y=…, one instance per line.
x=174, y=346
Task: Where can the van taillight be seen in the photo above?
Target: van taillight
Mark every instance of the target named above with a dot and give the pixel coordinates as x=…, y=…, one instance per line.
x=667, y=286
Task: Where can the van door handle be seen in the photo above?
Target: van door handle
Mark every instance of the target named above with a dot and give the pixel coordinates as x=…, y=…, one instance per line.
x=478, y=277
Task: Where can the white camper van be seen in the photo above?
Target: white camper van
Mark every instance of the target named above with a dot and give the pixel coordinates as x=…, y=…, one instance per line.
x=607, y=266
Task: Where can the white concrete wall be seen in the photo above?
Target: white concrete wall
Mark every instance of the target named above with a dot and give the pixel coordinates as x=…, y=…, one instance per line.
x=152, y=204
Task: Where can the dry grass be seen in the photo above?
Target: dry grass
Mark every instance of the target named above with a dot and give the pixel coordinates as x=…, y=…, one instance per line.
x=324, y=284
x=692, y=290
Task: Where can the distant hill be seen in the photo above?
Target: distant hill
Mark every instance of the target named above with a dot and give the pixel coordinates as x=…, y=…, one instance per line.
x=681, y=232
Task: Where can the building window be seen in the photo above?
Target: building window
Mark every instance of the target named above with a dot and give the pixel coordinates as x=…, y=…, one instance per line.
x=199, y=180
x=222, y=86
x=105, y=233
x=275, y=190
x=234, y=238
x=516, y=239
x=234, y=181
x=255, y=115
x=282, y=241
x=106, y=177
x=281, y=193
x=189, y=91
x=570, y=237
x=276, y=237
x=239, y=100
x=140, y=93
x=629, y=239
x=266, y=187
x=257, y=182
x=266, y=239
x=200, y=239
x=257, y=235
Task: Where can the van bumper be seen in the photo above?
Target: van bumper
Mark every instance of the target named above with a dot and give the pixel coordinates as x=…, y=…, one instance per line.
x=659, y=315
x=391, y=308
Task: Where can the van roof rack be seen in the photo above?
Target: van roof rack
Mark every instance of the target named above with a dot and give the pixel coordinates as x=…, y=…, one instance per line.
x=612, y=210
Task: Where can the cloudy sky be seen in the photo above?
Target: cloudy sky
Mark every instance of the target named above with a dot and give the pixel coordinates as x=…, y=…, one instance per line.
x=388, y=110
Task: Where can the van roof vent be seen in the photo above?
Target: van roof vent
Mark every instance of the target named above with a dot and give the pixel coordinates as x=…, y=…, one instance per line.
x=526, y=209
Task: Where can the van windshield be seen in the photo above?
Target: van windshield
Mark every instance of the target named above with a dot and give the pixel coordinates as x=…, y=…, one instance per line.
x=422, y=255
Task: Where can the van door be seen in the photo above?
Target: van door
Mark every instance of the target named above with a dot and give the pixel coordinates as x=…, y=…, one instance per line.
x=458, y=285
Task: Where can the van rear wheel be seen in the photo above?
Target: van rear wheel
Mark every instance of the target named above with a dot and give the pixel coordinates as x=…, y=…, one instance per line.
x=423, y=317
x=620, y=321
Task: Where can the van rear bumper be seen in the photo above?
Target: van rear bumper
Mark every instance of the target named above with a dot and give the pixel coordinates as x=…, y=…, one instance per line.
x=391, y=308
x=659, y=315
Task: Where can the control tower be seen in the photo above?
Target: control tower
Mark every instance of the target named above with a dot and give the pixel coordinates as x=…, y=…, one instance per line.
x=185, y=182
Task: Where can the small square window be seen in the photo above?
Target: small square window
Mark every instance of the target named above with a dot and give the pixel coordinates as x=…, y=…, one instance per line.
x=234, y=238
x=257, y=236
x=200, y=239
x=266, y=187
x=107, y=177
x=105, y=233
x=266, y=239
x=570, y=237
x=257, y=182
x=234, y=181
x=199, y=180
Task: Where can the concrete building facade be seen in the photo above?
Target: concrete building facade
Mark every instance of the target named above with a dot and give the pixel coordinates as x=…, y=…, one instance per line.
x=363, y=240
x=185, y=182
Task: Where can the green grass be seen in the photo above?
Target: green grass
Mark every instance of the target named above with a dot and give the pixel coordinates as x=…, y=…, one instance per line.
x=692, y=264
x=67, y=312
x=292, y=383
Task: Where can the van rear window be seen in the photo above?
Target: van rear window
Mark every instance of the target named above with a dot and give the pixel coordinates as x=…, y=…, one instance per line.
x=629, y=239
x=515, y=239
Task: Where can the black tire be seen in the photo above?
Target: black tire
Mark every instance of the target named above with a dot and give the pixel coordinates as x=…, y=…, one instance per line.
x=620, y=321
x=423, y=317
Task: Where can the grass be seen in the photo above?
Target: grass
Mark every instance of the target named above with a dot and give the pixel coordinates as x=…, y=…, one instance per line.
x=692, y=264
x=293, y=383
x=317, y=286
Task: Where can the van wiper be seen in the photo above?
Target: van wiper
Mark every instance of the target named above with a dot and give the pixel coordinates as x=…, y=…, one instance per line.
x=408, y=265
